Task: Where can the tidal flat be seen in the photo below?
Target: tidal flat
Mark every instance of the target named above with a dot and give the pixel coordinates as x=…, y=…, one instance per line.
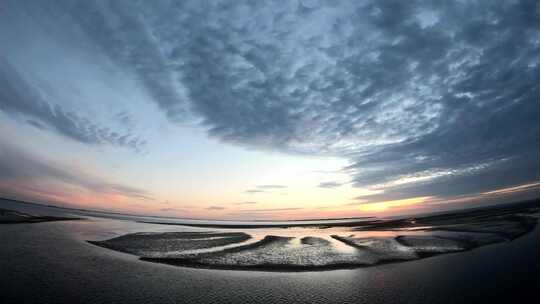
x=320, y=246
x=491, y=258
x=16, y=217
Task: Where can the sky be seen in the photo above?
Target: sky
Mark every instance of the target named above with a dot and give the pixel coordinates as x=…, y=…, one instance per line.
x=270, y=109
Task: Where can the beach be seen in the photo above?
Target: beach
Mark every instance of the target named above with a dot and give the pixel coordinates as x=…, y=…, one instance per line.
x=52, y=262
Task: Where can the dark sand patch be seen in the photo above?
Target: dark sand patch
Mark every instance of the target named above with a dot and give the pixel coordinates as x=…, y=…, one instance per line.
x=171, y=244
x=317, y=241
x=383, y=249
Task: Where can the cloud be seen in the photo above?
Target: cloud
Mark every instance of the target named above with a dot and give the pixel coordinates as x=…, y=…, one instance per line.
x=126, y=38
x=254, y=191
x=421, y=98
x=125, y=119
x=245, y=203
x=172, y=210
x=330, y=185
x=395, y=204
x=34, y=174
x=358, y=201
x=264, y=188
x=269, y=210
x=214, y=208
x=19, y=99
x=270, y=187
x=261, y=213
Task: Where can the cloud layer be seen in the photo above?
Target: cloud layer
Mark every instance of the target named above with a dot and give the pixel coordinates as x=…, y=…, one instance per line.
x=20, y=99
x=422, y=98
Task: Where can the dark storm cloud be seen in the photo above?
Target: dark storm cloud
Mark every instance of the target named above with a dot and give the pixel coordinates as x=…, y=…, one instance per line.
x=18, y=166
x=423, y=98
x=18, y=98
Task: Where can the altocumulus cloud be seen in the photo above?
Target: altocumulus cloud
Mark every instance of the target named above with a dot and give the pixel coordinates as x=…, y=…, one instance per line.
x=422, y=98
x=20, y=99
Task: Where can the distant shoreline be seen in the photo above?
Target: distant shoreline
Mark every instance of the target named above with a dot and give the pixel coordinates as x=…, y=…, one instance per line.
x=376, y=223
x=276, y=225
x=179, y=218
x=368, y=221
x=15, y=217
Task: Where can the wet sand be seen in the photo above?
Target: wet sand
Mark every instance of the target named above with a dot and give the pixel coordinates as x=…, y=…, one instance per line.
x=313, y=249
x=16, y=217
